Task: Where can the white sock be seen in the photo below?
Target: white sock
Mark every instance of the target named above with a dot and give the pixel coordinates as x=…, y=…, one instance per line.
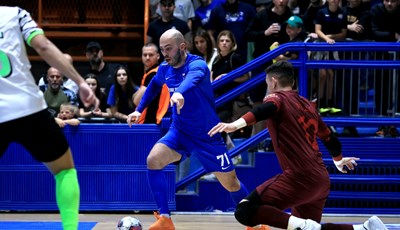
x=165, y=215
x=295, y=222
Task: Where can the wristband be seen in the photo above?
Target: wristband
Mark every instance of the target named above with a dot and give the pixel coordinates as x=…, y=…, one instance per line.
x=239, y=123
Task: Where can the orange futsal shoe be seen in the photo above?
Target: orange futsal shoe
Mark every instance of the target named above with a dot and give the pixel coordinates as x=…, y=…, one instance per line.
x=259, y=227
x=162, y=223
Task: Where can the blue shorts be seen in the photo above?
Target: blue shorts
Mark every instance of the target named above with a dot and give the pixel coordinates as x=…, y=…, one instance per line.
x=211, y=151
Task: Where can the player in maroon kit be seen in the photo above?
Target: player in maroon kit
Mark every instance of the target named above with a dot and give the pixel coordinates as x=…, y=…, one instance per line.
x=294, y=125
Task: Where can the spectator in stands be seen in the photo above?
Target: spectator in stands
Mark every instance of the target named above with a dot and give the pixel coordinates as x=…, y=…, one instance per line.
x=55, y=93
x=166, y=22
x=184, y=10
x=24, y=118
x=235, y=16
x=262, y=4
x=358, y=21
x=67, y=83
x=158, y=107
x=294, y=29
x=67, y=115
x=103, y=70
x=193, y=113
x=384, y=18
x=227, y=60
x=203, y=12
x=385, y=28
x=203, y=46
x=330, y=26
x=358, y=29
x=294, y=125
x=264, y=30
x=120, y=98
x=298, y=7
x=103, y=110
x=309, y=17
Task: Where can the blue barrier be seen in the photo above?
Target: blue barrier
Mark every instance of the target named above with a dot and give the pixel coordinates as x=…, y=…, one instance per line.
x=111, y=164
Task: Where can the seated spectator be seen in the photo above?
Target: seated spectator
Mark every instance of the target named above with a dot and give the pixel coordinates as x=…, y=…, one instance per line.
x=120, y=98
x=55, y=93
x=67, y=83
x=203, y=46
x=104, y=110
x=103, y=70
x=156, y=110
x=67, y=115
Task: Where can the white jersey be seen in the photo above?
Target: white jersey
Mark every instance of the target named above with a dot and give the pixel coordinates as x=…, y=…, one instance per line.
x=19, y=94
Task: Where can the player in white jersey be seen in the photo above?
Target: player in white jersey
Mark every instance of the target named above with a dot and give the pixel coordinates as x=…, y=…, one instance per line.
x=23, y=110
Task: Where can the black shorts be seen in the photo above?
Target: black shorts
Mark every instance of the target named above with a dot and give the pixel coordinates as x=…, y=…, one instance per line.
x=38, y=133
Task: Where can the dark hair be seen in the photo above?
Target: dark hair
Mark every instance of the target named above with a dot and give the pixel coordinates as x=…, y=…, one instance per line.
x=151, y=44
x=97, y=92
x=200, y=32
x=283, y=71
x=129, y=91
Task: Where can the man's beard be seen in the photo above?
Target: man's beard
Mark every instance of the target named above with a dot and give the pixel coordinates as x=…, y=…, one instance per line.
x=95, y=61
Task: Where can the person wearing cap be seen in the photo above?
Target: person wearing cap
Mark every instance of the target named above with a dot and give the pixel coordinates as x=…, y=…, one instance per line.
x=103, y=70
x=264, y=30
x=294, y=29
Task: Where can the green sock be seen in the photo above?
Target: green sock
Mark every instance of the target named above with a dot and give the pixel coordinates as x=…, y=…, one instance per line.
x=68, y=195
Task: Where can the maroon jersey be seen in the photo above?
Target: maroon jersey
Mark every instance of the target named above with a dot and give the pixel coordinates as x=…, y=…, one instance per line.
x=294, y=129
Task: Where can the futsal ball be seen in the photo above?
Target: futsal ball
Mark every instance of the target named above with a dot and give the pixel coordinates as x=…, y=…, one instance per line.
x=129, y=223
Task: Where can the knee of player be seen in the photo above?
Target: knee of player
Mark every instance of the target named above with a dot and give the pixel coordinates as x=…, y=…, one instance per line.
x=153, y=162
x=245, y=212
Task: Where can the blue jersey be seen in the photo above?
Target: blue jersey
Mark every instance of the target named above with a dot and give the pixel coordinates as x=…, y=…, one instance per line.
x=192, y=80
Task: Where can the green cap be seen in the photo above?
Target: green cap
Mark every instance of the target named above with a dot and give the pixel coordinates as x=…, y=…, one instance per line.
x=295, y=21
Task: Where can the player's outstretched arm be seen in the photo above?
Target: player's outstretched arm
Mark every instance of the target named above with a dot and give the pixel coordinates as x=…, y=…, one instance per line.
x=227, y=127
x=177, y=99
x=55, y=58
x=133, y=118
x=349, y=162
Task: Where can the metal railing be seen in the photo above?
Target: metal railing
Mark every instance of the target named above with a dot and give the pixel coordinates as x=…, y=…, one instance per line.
x=303, y=64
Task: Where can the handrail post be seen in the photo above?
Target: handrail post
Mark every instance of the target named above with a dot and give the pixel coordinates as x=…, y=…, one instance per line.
x=303, y=75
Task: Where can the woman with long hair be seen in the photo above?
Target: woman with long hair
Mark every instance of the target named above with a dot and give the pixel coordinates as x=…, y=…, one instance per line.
x=120, y=97
x=203, y=46
x=104, y=109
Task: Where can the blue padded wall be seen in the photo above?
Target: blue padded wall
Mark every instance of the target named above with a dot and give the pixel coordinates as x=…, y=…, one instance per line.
x=111, y=164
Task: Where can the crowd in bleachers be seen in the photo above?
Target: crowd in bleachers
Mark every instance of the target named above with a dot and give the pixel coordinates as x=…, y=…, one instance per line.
x=249, y=28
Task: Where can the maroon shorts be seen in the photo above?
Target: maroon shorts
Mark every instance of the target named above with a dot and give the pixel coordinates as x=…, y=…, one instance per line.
x=304, y=192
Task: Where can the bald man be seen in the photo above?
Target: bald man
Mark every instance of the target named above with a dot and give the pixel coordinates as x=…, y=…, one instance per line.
x=67, y=83
x=193, y=114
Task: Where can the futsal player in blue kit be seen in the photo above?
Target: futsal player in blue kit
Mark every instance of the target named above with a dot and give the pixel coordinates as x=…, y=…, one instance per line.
x=193, y=115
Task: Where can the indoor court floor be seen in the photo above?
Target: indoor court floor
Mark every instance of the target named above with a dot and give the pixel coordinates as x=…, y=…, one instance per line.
x=182, y=221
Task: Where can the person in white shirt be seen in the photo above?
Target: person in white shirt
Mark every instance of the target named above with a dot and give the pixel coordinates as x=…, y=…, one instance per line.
x=24, y=117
